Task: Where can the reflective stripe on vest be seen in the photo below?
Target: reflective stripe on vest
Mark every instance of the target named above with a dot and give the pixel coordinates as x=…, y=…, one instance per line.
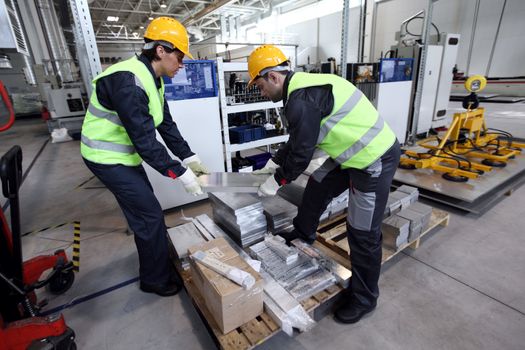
x=104, y=138
x=107, y=146
x=347, y=107
x=353, y=134
x=111, y=116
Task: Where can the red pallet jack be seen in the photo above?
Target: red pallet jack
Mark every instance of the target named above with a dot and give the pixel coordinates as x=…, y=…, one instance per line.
x=21, y=327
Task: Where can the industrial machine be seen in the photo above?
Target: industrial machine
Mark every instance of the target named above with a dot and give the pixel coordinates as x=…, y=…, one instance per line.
x=438, y=65
x=20, y=325
x=467, y=138
x=65, y=102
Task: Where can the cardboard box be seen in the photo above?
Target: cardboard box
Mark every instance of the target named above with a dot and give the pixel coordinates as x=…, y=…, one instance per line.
x=229, y=304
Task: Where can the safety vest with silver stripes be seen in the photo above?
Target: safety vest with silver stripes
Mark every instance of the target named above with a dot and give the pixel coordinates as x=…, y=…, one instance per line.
x=353, y=134
x=104, y=139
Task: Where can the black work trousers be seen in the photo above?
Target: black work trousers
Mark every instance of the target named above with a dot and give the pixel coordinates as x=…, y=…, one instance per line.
x=368, y=195
x=134, y=194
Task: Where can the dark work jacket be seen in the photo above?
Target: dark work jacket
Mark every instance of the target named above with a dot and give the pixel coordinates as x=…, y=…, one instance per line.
x=118, y=92
x=304, y=110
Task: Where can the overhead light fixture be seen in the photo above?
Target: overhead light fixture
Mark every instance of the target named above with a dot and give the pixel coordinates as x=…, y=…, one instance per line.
x=141, y=27
x=163, y=5
x=5, y=62
x=112, y=19
x=150, y=18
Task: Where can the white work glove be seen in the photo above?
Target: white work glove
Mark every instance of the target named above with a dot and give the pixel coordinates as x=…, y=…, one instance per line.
x=195, y=164
x=269, y=168
x=189, y=180
x=268, y=188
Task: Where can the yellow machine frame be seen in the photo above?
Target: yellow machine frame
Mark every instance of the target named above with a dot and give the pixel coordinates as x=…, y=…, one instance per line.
x=469, y=136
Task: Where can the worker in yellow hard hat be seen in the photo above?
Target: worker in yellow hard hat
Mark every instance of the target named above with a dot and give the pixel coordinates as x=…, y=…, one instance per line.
x=126, y=108
x=338, y=138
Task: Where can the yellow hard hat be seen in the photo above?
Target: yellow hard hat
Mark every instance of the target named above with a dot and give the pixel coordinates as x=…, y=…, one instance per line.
x=264, y=57
x=169, y=30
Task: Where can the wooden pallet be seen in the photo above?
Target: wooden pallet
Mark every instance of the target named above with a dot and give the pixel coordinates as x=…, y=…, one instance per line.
x=332, y=240
x=318, y=305
x=245, y=337
x=261, y=328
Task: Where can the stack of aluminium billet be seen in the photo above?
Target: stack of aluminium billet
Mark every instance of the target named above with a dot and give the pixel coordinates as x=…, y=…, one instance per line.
x=241, y=215
x=302, y=277
x=399, y=200
x=284, y=308
x=395, y=231
x=413, y=192
x=279, y=213
x=182, y=237
x=416, y=222
x=341, y=273
x=294, y=191
x=425, y=210
x=337, y=206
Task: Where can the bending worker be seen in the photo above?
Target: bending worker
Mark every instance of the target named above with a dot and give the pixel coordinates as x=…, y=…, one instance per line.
x=328, y=114
x=126, y=107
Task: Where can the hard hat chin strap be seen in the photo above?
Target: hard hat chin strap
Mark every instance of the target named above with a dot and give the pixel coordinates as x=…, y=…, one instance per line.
x=274, y=69
x=152, y=44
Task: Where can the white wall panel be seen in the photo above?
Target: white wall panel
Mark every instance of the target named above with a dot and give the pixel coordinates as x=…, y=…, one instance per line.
x=454, y=16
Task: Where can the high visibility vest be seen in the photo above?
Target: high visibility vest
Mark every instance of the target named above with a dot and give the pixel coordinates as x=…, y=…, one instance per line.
x=353, y=134
x=104, y=139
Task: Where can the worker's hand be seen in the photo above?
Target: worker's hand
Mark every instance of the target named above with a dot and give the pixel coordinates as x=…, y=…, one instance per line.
x=268, y=188
x=189, y=180
x=195, y=164
x=269, y=168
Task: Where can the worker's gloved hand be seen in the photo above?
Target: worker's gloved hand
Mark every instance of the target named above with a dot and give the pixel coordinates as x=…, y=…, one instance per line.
x=268, y=188
x=195, y=164
x=269, y=168
x=189, y=180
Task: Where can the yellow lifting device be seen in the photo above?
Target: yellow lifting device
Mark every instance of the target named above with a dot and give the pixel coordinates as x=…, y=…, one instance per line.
x=467, y=138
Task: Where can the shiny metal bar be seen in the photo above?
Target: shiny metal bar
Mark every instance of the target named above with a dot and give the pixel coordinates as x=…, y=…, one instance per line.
x=231, y=182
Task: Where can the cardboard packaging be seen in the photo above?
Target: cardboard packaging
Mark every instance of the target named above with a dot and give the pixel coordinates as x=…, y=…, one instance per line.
x=229, y=304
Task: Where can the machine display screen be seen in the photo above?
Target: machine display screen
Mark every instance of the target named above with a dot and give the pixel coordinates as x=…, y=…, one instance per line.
x=196, y=80
x=395, y=69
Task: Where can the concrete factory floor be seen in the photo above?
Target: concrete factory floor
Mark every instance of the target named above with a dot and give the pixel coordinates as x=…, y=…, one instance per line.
x=462, y=289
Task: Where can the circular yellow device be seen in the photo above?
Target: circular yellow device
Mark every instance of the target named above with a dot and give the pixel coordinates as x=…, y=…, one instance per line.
x=475, y=83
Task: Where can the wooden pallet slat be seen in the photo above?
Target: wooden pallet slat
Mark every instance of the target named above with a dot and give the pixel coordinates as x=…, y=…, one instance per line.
x=255, y=331
x=329, y=233
x=234, y=341
x=269, y=322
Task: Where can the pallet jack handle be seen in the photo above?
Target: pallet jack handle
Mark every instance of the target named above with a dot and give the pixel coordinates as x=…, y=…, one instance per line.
x=9, y=106
x=11, y=176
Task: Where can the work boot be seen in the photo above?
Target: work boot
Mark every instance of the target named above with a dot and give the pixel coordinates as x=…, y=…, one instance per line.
x=352, y=312
x=291, y=235
x=164, y=290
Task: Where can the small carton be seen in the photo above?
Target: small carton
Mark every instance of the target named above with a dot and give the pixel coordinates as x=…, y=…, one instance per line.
x=229, y=304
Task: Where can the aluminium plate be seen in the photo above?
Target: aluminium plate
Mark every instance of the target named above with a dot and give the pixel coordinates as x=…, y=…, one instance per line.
x=231, y=182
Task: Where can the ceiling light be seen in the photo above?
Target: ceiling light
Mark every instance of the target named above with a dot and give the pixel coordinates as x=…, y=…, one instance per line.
x=112, y=19
x=163, y=5
x=141, y=27
x=5, y=62
x=150, y=18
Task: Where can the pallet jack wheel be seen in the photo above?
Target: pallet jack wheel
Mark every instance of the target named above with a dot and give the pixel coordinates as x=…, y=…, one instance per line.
x=494, y=163
x=450, y=177
x=61, y=282
x=407, y=166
